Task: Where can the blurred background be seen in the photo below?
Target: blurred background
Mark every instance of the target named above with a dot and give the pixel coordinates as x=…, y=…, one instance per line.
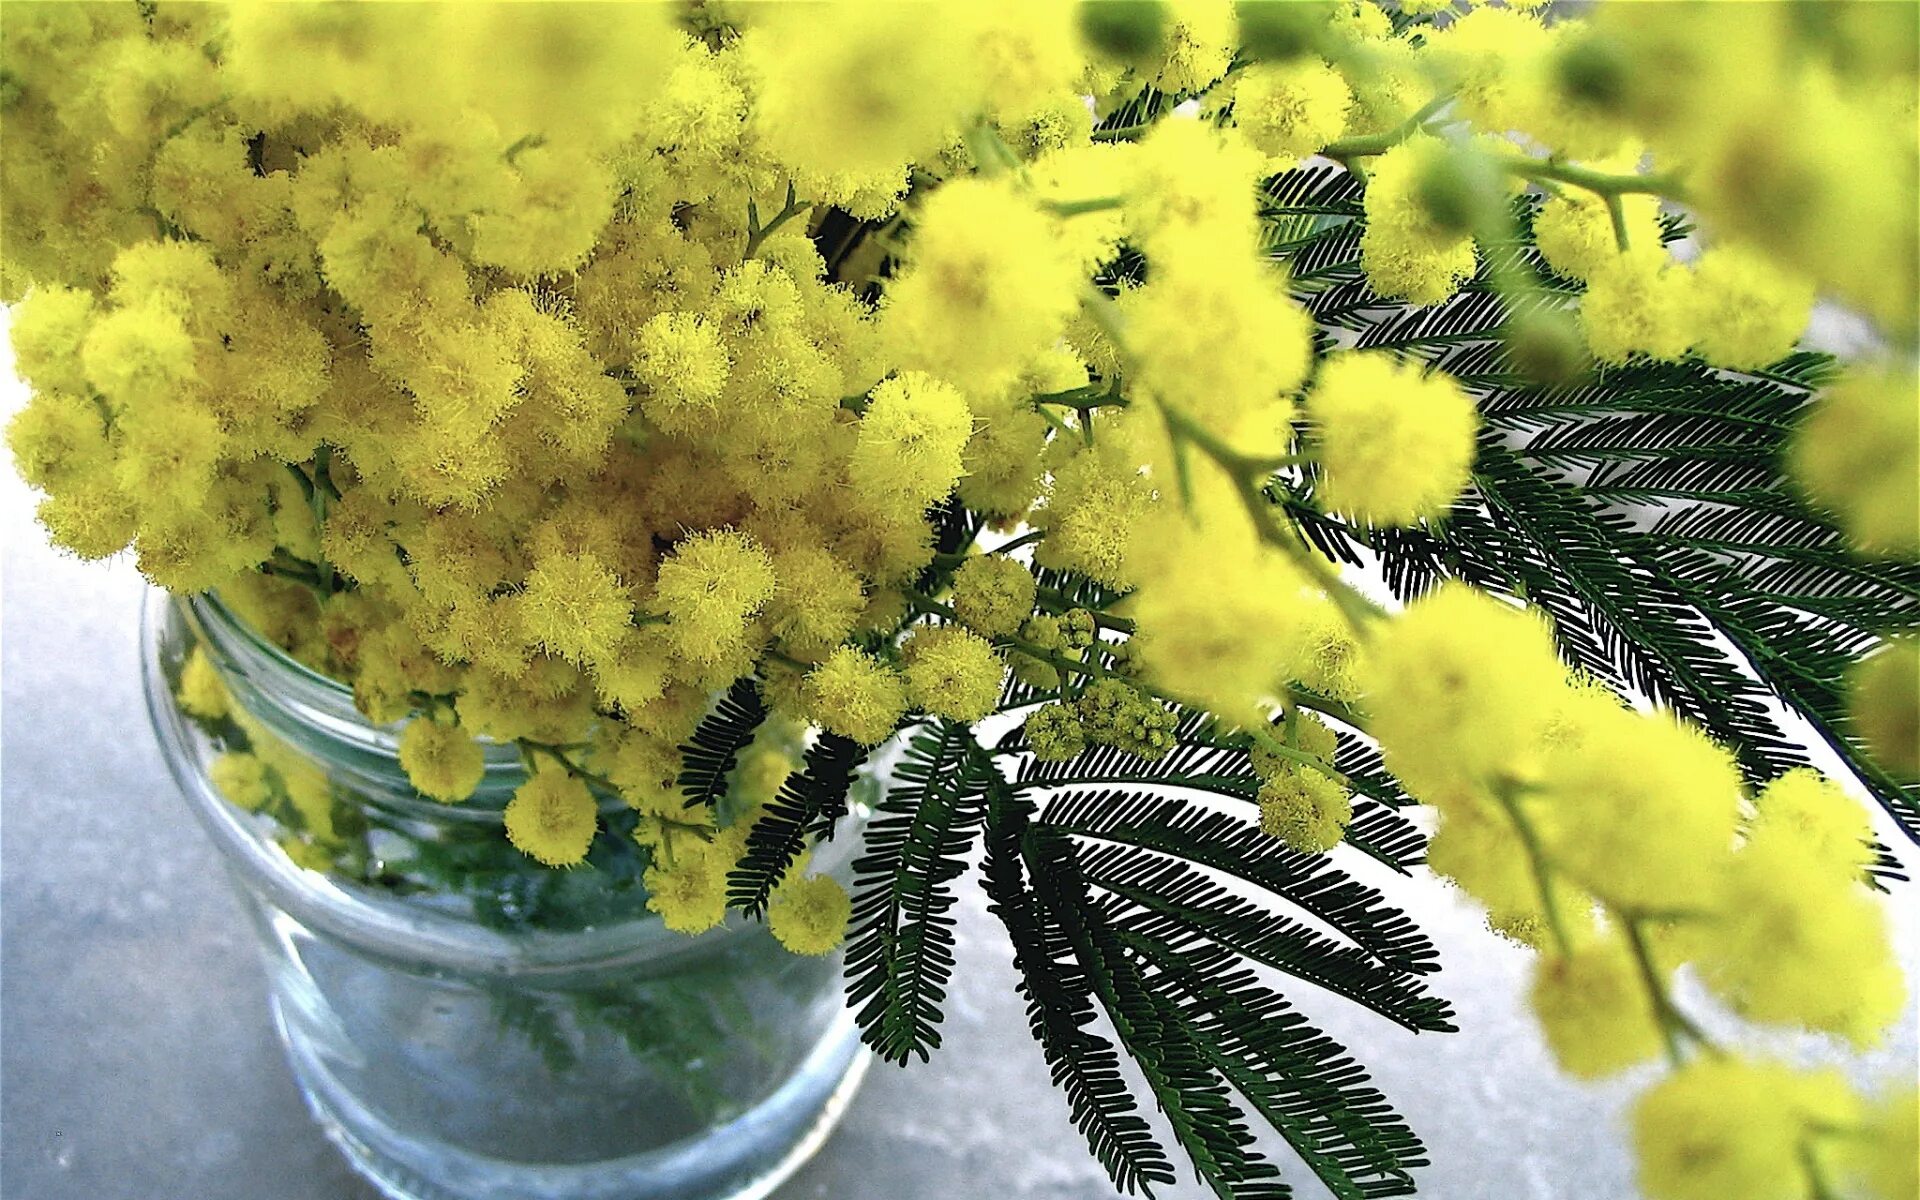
x=137, y=1061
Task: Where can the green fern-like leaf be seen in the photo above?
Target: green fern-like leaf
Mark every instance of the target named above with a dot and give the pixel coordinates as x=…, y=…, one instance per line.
x=1195, y=1101
x=708, y=757
x=900, y=951
x=1203, y=761
x=809, y=804
x=1221, y=842
x=1060, y=1009
x=1181, y=905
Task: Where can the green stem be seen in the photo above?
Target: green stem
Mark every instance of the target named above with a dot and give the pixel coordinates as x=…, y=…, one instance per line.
x=303, y=574
x=1242, y=469
x=1078, y=666
x=559, y=755
x=757, y=234
x=1539, y=865
x=300, y=477
x=1600, y=183
x=1656, y=991
x=1275, y=746
x=432, y=703
x=1673, y=1023
x=1055, y=423
x=991, y=155
x=1379, y=143
x=1056, y=602
x=1617, y=213
x=1073, y=208
x=1025, y=539
x=317, y=500
x=927, y=604
x=1819, y=1187
x=789, y=660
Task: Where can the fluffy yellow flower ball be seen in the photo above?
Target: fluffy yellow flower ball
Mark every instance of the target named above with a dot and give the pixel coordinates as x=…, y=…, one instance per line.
x=817, y=599
x=1574, y=231
x=1396, y=443
x=1308, y=734
x=708, y=587
x=1640, y=810
x=1404, y=251
x=634, y=674
x=552, y=818
x=1883, y=705
x=1594, y=1008
x=1856, y=455
x=1638, y=302
x=1188, y=182
x=853, y=88
x=242, y=778
x=683, y=366
x=1746, y=311
x=689, y=889
x=988, y=283
x=1292, y=109
x=1725, y=1127
x=910, y=441
x=1460, y=686
x=1097, y=497
x=202, y=693
x=1798, y=941
x=809, y=916
x=1813, y=813
x=855, y=695
x=1202, y=588
x=574, y=606
x=952, y=672
x=1214, y=332
x=47, y=330
x=59, y=441
x=441, y=760
x=1307, y=809
x=993, y=594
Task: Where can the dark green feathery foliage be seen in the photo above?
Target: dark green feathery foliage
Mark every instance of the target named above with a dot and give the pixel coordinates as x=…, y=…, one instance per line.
x=1060, y=1009
x=1195, y=1101
x=1224, y=843
x=900, y=950
x=1182, y=904
x=1205, y=760
x=1117, y=910
x=1166, y=951
x=808, y=806
x=708, y=757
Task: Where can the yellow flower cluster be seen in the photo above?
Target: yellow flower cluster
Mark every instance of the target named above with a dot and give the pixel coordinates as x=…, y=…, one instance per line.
x=1620, y=873
x=543, y=370
x=1395, y=444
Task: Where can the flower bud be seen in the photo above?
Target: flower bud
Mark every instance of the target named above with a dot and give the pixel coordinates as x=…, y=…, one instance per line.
x=1279, y=30
x=1546, y=347
x=1123, y=29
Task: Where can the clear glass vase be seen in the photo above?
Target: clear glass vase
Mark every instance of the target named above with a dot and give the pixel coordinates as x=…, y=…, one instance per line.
x=468, y=1025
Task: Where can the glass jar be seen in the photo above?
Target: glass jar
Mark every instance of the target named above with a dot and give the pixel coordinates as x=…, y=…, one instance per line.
x=469, y=1025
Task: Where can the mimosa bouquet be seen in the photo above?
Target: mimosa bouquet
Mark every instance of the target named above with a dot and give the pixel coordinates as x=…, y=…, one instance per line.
x=1226, y=455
